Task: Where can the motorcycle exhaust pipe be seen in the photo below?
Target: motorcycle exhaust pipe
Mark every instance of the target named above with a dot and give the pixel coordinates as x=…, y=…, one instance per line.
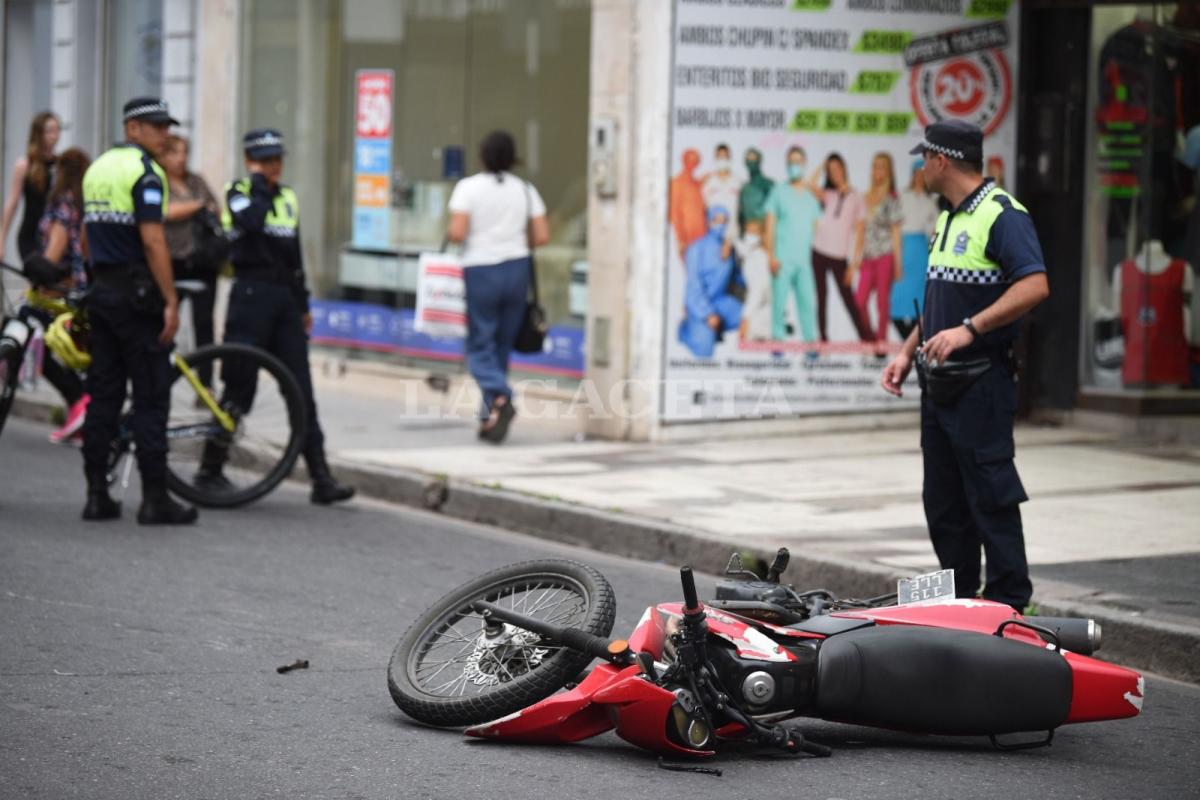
x=1081, y=636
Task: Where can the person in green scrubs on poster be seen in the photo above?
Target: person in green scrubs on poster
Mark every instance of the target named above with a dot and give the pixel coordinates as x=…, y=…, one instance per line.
x=792, y=210
x=752, y=200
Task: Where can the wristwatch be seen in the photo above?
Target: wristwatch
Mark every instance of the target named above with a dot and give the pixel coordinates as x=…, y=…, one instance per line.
x=971, y=327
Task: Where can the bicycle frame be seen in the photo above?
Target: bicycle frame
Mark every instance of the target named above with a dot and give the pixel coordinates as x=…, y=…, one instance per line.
x=222, y=416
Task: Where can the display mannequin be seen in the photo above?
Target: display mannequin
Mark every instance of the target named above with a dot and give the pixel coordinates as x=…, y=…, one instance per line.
x=1153, y=293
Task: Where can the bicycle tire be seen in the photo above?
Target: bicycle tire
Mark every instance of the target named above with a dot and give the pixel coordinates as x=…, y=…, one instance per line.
x=298, y=426
x=10, y=359
x=504, y=697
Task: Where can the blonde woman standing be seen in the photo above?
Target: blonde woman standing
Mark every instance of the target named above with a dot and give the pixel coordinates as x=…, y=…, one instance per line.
x=876, y=259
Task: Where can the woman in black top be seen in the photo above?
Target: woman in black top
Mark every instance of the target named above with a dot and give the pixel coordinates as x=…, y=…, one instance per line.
x=32, y=176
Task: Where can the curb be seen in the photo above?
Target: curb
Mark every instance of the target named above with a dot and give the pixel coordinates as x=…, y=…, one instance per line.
x=1164, y=648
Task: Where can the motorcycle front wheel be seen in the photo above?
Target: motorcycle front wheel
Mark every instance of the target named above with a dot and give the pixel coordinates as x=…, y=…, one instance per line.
x=448, y=671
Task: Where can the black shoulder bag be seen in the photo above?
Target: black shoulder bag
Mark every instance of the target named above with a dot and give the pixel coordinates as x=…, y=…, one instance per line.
x=532, y=335
x=212, y=243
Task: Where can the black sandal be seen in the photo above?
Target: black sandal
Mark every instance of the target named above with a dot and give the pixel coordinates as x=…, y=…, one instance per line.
x=496, y=428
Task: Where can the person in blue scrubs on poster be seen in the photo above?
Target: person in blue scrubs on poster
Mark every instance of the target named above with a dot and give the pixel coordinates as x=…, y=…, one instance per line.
x=792, y=212
x=711, y=309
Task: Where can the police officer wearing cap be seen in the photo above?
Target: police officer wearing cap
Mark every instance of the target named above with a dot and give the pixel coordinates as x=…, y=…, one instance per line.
x=986, y=271
x=268, y=305
x=133, y=311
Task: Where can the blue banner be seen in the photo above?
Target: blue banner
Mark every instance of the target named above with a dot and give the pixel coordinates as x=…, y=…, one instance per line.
x=373, y=156
x=364, y=326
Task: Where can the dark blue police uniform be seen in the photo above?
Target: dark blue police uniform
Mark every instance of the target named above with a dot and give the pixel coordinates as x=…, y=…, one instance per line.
x=972, y=493
x=269, y=301
x=122, y=189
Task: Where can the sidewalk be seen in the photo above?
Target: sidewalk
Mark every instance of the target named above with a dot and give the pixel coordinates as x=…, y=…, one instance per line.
x=1112, y=529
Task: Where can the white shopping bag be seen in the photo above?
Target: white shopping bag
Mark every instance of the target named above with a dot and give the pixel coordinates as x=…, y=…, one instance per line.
x=441, y=296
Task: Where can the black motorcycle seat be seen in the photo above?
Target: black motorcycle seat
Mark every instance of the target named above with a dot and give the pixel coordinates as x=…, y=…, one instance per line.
x=939, y=681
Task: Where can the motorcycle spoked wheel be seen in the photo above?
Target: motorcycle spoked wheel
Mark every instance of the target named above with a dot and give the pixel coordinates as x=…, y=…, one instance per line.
x=446, y=672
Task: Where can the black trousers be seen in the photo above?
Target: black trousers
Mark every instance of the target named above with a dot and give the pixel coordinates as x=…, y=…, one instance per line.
x=826, y=268
x=125, y=349
x=972, y=492
x=202, y=308
x=271, y=317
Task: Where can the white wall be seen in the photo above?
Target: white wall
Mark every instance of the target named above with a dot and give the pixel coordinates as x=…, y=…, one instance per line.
x=217, y=84
x=630, y=82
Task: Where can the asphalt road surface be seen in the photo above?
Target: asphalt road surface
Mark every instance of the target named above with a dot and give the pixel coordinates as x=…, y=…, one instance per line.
x=140, y=663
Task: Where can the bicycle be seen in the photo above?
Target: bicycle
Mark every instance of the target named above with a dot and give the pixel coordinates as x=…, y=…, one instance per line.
x=256, y=434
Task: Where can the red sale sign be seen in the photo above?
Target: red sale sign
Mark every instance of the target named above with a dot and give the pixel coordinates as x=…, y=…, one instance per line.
x=373, y=109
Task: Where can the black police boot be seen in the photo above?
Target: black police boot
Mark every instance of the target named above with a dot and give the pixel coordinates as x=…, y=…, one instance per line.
x=99, y=505
x=325, y=490
x=210, y=476
x=158, y=508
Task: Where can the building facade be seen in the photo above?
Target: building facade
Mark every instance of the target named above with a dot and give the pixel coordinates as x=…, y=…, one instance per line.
x=1087, y=108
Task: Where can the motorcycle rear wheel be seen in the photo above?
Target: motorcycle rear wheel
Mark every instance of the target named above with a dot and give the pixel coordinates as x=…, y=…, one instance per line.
x=445, y=672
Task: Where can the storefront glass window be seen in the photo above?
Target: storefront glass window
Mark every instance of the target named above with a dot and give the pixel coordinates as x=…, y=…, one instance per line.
x=1142, y=237
x=135, y=29
x=458, y=69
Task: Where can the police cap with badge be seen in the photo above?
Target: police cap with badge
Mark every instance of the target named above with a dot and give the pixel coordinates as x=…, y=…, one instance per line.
x=263, y=143
x=148, y=109
x=953, y=138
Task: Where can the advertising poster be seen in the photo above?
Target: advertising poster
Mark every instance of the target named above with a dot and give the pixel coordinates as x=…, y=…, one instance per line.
x=799, y=224
x=372, y=159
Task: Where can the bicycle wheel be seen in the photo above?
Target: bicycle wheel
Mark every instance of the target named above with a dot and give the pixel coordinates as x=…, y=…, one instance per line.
x=10, y=377
x=448, y=671
x=212, y=464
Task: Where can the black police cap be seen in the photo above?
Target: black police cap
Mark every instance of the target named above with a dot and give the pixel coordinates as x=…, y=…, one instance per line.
x=953, y=138
x=148, y=109
x=263, y=143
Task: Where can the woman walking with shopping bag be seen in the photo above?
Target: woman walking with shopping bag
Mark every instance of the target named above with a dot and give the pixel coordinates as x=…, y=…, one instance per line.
x=500, y=218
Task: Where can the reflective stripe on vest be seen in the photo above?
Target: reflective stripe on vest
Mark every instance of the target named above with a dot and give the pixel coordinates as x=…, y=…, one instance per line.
x=958, y=255
x=282, y=220
x=109, y=182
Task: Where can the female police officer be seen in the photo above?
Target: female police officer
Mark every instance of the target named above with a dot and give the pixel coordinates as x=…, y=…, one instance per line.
x=268, y=306
x=986, y=271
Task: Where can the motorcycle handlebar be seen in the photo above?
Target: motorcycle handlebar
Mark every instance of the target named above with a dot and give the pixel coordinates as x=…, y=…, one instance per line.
x=574, y=638
x=691, y=602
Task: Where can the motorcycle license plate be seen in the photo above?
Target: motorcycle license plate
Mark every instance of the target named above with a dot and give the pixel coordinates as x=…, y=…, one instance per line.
x=16, y=330
x=930, y=586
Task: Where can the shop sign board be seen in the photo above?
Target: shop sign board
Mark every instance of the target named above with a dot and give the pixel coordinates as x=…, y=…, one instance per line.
x=370, y=226
x=804, y=329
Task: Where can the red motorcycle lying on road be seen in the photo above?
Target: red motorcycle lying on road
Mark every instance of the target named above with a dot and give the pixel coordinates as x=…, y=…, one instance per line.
x=495, y=653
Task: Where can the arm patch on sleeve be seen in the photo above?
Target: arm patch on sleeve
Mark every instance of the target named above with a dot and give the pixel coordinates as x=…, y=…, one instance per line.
x=239, y=203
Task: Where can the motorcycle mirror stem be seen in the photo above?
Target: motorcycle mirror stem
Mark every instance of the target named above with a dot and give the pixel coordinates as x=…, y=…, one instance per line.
x=782, y=557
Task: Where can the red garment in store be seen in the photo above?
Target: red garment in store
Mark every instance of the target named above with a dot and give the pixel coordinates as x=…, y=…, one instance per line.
x=687, y=203
x=1156, y=350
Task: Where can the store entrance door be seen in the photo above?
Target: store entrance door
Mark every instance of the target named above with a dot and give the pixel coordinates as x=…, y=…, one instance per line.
x=1051, y=143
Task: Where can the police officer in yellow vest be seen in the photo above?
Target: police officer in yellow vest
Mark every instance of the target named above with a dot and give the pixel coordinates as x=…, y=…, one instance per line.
x=268, y=306
x=986, y=271
x=133, y=312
